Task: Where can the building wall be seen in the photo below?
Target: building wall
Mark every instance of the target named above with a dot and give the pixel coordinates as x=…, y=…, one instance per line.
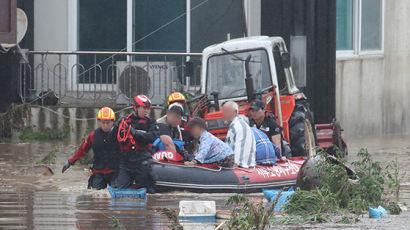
x=315, y=21
x=51, y=34
x=372, y=92
x=51, y=25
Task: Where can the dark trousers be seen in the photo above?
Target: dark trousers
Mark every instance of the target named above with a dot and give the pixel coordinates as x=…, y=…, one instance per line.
x=227, y=162
x=135, y=169
x=100, y=181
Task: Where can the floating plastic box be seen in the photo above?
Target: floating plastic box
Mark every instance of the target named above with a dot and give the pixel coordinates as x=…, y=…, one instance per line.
x=127, y=193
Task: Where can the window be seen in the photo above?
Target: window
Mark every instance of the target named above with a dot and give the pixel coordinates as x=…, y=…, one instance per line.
x=371, y=25
x=344, y=28
x=359, y=26
x=101, y=27
x=226, y=73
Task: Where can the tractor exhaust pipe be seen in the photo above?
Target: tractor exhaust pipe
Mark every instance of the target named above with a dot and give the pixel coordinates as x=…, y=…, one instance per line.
x=216, y=100
x=248, y=80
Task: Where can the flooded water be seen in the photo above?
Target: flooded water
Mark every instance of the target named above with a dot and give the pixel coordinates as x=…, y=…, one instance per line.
x=29, y=200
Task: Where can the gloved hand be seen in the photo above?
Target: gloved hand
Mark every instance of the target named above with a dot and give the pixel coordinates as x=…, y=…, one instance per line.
x=66, y=166
x=137, y=134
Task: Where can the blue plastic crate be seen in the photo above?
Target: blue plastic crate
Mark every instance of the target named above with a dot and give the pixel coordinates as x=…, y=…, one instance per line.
x=271, y=194
x=127, y=193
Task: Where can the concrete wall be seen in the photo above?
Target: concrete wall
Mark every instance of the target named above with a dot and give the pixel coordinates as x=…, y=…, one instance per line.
x=81, y=120
x=372, y=92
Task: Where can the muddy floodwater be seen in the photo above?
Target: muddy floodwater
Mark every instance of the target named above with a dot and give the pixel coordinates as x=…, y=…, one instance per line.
x=31, y=200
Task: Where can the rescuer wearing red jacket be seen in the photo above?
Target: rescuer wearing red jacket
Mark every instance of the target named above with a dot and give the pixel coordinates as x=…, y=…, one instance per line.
x=136, y=133
x=106, y=155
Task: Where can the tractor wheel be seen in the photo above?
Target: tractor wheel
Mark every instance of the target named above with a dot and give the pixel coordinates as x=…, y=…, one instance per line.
x=302, y=131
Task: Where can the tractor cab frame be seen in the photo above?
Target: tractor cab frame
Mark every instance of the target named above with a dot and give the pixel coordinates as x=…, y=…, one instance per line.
x=259, y=67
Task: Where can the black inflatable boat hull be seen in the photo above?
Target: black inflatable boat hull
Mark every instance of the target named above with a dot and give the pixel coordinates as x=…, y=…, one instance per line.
x=178, y=177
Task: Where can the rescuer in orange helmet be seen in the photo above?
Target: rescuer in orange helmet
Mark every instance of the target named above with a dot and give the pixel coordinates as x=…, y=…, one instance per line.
x=106, y=160
x=176, y=97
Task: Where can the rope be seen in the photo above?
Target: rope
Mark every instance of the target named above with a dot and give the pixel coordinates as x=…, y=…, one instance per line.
x=195, y=166
x=294, y=162
x=210, y=169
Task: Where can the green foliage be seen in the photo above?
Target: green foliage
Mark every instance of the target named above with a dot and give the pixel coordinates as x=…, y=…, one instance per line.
x=371, y=179
x=340, y=194
x=172, y=216
x=394, y=209
x=50, y=158
x=45, y=135
x=116, y=223
x=312, y=202
x=394, y=179
x=334, y=178
x=249, y=215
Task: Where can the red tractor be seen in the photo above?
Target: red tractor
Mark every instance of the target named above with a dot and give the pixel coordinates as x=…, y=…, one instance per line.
x=246, y=68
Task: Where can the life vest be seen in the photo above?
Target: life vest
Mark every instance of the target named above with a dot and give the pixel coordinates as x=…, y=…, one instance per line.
x=105, y=154
x=126, y=140
x=184, y=123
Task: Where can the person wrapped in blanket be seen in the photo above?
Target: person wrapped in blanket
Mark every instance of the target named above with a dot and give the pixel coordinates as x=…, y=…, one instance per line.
x=267, y=134
x=106, y=160
x=266, y=152
x=211, y=150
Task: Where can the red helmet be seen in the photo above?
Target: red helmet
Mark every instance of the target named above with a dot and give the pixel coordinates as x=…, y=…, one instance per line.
x=142, y=100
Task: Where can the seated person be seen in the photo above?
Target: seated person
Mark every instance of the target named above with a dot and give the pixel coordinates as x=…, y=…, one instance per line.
x=170, y=136
x=212, y=108
x=265, y=121
x=266, y=152
x=179, y=98
x=240, y=136
x=211, y=150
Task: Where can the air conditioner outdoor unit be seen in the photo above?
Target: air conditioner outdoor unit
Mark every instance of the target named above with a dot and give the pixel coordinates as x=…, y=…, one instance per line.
x=153, y=79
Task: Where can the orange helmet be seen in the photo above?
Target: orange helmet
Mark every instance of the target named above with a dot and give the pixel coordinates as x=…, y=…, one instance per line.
x=106, y=114
x=176, y=97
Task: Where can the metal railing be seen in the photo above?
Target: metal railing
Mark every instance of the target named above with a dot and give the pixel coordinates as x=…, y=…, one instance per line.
x=99, y=77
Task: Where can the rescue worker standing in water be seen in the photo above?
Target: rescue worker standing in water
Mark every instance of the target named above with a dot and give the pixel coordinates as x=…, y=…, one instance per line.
x=105, y=161
x=135, y=133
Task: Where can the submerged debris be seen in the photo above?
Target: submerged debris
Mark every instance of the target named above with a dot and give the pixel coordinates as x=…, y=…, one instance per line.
x=14, y=118
x=117, y=224
x=172, y=216
x=338, y=194
x=250, y=215
x=37, y=170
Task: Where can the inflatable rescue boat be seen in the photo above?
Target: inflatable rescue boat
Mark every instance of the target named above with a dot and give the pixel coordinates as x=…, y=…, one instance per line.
x=172, y=175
